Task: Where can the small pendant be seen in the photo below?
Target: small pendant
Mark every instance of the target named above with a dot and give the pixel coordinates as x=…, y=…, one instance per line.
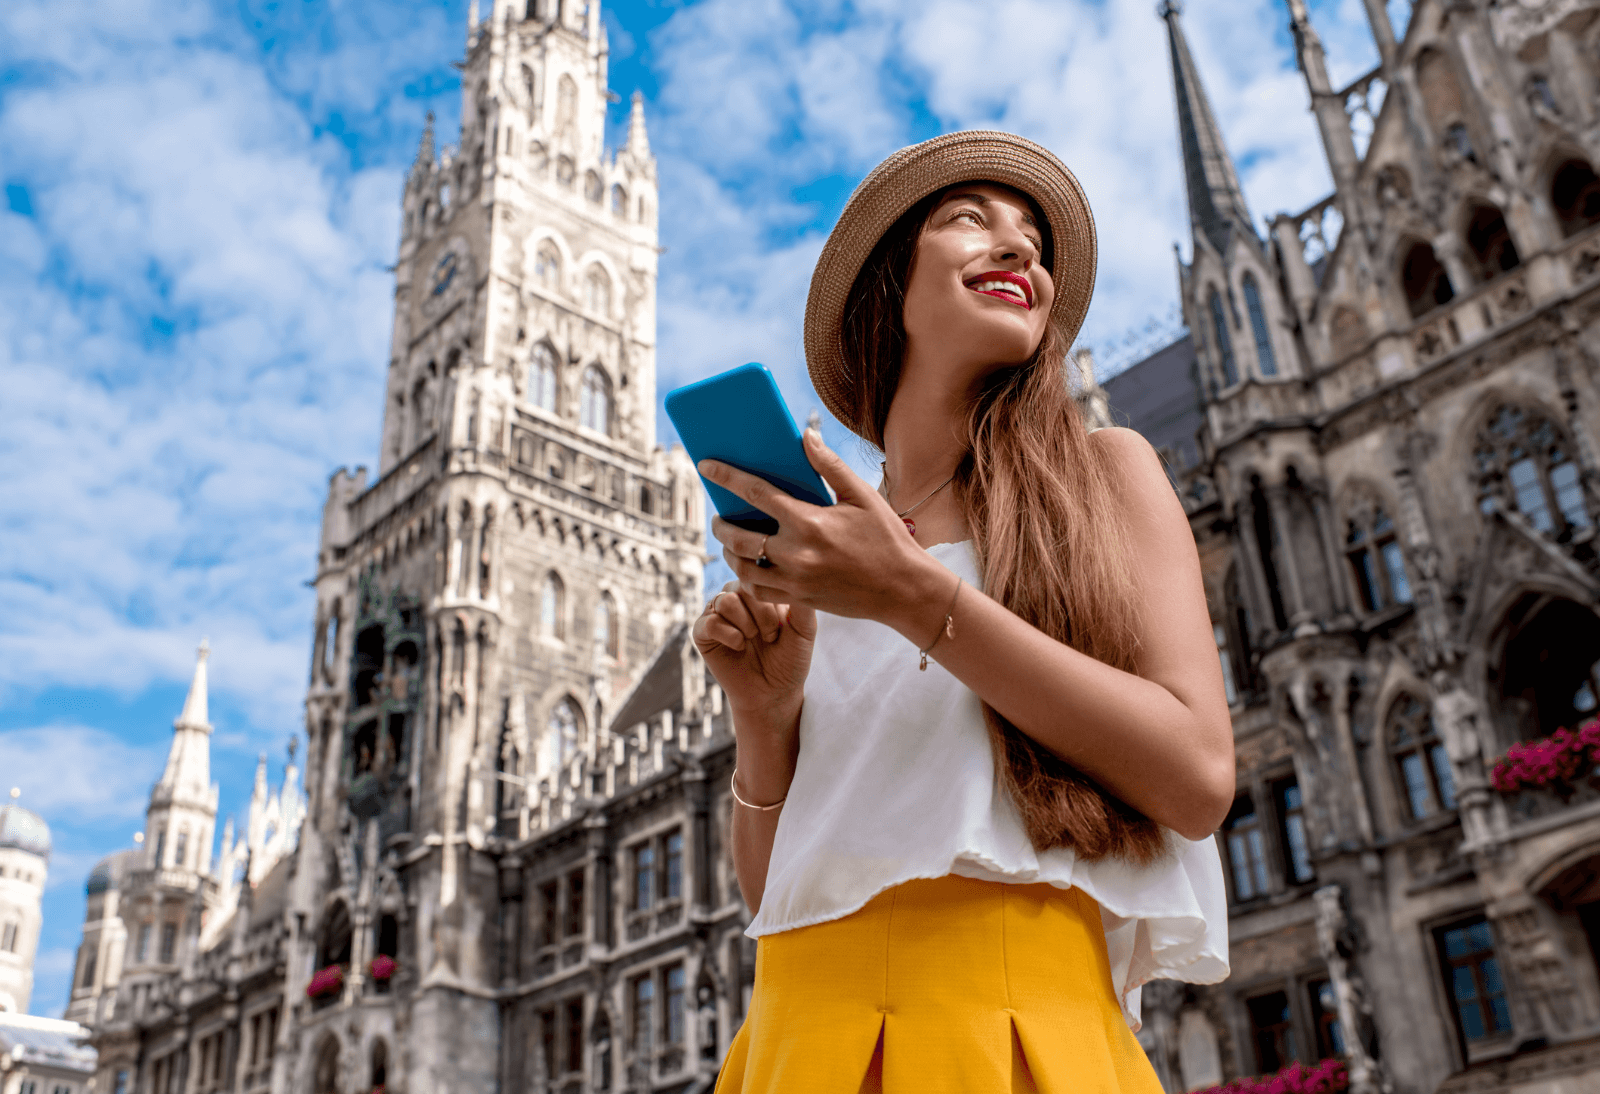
x=911, y=525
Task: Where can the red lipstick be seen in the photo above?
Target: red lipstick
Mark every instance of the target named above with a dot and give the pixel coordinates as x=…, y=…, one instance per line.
x=1024, y=286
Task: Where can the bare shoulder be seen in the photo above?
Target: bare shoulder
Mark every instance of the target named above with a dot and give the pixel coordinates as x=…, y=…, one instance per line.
x=1137, y=466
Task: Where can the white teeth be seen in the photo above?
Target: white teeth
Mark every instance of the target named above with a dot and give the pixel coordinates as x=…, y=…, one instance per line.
x=1001, y=286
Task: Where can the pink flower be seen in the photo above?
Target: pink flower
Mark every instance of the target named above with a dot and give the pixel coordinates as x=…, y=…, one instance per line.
x=382, y=967
x=326, y=981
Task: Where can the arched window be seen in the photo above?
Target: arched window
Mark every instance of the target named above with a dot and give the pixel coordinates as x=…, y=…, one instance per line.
x=551, y=607
x=594, y=408
x=619, y=202
x=180, y=852
x=1377, y=564
x=334, y=948
x=542, y=377
x=597, y=290
x=565, y=171
x=1219, y=326
x=1524, y=462
x=1489, y=241
x=593, y=188
x=1258, y=326
x=647, y=499
x=1420, y=759
x=1426, y=283
x=563, y=732
x=547, y=266
x=1575, y=196
x=605, y=624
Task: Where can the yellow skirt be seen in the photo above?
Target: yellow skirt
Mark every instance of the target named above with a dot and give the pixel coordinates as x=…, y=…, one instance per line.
x=945, y=985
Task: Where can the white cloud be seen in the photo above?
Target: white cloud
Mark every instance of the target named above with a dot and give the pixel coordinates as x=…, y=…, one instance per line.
x=162, y=486
x=72, y=774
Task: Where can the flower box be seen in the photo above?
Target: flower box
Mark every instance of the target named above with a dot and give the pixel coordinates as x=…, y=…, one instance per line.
x=1327, y=1077
x=326, y=982
x=1553, y=764
x=382, y=967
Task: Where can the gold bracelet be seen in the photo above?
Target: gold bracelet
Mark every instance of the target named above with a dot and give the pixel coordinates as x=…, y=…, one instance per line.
x=946, y=630
x=733, y=785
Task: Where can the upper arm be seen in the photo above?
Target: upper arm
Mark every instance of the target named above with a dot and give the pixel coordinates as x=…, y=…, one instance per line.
x=1177, y=647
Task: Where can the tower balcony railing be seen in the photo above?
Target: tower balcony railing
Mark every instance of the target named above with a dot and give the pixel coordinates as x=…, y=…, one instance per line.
x=403, y=479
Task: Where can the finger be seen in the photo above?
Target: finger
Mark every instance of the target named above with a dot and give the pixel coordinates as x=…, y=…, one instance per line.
x=718, y=631
x=753, y=489
x=802, y=620
x=741, y=541
x=770, y=597
x=751, y=575
x=732, y=608
x=847, y=485
x=768, y=616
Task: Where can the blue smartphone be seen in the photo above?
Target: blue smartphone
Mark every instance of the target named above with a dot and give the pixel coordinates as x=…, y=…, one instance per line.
x=739, y=418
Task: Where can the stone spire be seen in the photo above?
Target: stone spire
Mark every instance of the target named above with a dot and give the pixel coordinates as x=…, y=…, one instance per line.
x=1216, y=202
x=638, y=144
x=188, y=771
x=425, y=151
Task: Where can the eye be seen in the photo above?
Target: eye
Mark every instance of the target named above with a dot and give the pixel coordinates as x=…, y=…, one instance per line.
x=970, y=214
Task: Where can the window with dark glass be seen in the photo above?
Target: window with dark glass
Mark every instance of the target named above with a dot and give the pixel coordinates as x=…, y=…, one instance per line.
x=1219, y=325
x=1424, y=279
x=1246, y=850
x=672, y=1026
x=549, y=911
x=1296, y=847
x=1420, y=759
x=1377, y=564
x=169, y=942
x=1489, y=242
x=672, y=882
x=1258, y=327
x=1271, y=1031
x=1325, y=1019
x=143, y=948
x=574, y=1061
x=574, y=917
x=1524, y=463
x=644, y=1010
x=1472, y=977
x=644, y=876
x=8, y=937
x=1575, y=196
x=547, y=1041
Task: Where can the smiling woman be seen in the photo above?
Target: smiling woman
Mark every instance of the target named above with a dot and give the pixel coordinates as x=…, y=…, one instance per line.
x=966, y=856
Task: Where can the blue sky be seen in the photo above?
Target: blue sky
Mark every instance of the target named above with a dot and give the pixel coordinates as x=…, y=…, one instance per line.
x=200, y=203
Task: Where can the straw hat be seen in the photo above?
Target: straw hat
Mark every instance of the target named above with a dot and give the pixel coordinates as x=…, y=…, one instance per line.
x=908, y=176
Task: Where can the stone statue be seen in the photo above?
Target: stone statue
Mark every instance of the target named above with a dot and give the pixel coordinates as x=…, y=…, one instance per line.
x=1457, y=715
x=706, y=1023
x=1336, y=938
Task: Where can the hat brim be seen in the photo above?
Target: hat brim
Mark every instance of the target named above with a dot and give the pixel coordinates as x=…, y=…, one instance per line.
x=907, y=177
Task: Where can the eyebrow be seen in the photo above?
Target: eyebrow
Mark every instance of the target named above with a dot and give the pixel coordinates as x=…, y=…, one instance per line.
x=981, y=199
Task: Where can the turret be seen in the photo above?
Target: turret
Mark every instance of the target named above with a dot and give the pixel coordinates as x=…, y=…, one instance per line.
x=183, y=803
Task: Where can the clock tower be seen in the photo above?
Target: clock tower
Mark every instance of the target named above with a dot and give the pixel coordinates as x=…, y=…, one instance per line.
x=524, y=552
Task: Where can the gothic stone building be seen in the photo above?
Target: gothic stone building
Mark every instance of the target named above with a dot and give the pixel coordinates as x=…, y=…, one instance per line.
x=512, y=872
x=1383, y=427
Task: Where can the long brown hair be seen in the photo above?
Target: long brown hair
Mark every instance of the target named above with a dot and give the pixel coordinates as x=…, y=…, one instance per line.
x=1048, y=532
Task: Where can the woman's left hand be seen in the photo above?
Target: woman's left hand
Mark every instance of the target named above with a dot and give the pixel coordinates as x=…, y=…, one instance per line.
x=852, y=558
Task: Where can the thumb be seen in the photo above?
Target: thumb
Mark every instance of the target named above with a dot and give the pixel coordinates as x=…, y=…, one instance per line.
x=802, y=620
x=847, y=485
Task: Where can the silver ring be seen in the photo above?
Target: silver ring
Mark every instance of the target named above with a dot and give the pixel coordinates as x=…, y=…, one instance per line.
x=762, y=560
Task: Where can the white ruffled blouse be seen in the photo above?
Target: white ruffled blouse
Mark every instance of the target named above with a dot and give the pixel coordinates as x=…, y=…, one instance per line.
x=896, y=781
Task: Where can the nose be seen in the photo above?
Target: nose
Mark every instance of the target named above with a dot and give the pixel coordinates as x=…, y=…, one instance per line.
x=1011, y=244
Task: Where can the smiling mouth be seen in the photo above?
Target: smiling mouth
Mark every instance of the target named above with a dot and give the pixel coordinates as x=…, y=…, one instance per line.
x=1010, y=287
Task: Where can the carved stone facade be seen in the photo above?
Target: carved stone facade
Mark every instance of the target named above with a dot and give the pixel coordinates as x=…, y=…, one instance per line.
x=511, y=873
x=1393, y=404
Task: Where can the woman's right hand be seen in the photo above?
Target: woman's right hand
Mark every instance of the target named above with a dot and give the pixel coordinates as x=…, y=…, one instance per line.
x=760, y=653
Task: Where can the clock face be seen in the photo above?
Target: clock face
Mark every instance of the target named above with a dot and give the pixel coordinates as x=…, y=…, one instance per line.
x=444, y=272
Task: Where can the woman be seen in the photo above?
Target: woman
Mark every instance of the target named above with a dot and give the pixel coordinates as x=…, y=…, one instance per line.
x=979, y=764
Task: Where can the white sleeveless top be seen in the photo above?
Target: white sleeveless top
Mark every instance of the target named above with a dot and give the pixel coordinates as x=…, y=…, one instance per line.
x=896, y=781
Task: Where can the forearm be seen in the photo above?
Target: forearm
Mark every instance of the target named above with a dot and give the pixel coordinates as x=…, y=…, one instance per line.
x=768, y=748
x=1168, y=755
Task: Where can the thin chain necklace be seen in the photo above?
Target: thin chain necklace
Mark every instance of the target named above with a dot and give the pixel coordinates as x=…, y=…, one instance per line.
x=905, y=514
